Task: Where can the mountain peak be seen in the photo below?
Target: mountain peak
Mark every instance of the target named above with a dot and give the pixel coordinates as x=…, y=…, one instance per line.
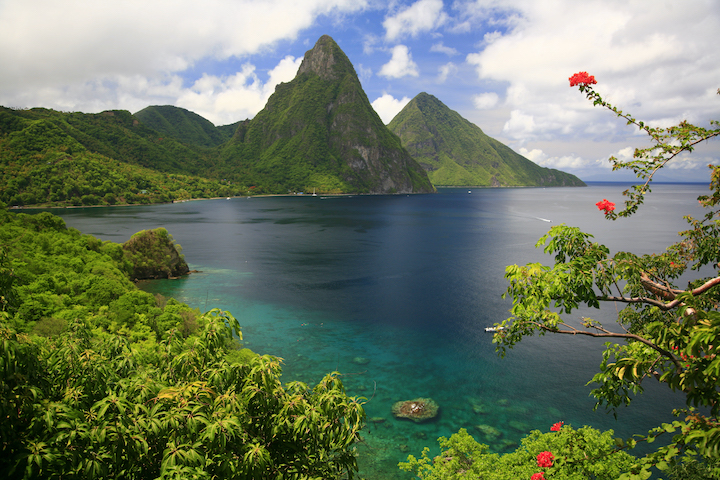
x=423, y=98
x=319, y=132
x=456, y=152
x=326, y=59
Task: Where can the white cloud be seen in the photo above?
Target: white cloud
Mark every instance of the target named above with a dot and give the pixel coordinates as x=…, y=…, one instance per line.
x=364, y=73
x=445, y=71
x=388, y=106
x=565, y=163
x=224, y=100
x=657, y=63
x=422, y=16
x=490, y=37
x=400, y=65
x=440, y=48
x=66, y=54
x=486, y=101
x=520, y=125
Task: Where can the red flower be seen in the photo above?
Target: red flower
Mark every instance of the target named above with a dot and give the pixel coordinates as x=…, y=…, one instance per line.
x=556, y=427
x=582, y=79
x=545, y=459
x=605, y=205
x=538, y=476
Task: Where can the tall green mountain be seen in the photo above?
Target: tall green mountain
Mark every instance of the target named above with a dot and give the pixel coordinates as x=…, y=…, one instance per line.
x=320, y=132
x=184, y=125
x=456, y=152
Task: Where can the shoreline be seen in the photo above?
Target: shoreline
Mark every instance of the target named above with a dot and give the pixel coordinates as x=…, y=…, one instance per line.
x=265, y=195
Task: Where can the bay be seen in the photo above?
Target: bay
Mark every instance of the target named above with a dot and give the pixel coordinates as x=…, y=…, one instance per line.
x=394, y=292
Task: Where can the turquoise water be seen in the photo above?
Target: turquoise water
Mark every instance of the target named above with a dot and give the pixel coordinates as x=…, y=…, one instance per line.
x=394, y=292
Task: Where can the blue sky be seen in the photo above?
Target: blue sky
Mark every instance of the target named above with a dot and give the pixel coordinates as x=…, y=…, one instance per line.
x=502, y=64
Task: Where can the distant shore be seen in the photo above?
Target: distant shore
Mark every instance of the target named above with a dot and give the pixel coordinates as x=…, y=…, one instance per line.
x=264, y=195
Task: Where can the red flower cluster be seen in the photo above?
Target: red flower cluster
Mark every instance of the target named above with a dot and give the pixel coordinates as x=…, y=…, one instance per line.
x=545, y=459
x=556, y=427
x=582, y=79
x=538, y=476
x=605, y=205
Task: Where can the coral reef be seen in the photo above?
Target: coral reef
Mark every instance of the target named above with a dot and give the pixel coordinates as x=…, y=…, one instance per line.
x=417, y=410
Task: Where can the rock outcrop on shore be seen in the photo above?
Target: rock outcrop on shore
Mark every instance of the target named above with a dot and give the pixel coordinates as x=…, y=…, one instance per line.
x=154, y=254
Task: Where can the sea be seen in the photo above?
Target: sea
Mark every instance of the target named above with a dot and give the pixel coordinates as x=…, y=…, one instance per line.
x=395, y=292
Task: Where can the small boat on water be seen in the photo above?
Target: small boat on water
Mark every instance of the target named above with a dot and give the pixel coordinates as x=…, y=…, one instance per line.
x=494, y=329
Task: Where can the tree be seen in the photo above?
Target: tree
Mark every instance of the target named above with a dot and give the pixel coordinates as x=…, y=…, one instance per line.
x=668, y=332
x=563, y=453
x=95, y=405
x=99, y=379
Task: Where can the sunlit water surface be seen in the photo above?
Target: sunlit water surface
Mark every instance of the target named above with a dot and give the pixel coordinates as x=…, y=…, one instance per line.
x=394, y=292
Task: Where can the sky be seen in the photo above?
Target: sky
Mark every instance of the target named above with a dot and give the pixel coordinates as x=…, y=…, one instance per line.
x=502, y=64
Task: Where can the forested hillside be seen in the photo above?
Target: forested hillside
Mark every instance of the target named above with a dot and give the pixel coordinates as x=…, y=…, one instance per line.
x=185, y=126
x=54, y=158
x=102, y=380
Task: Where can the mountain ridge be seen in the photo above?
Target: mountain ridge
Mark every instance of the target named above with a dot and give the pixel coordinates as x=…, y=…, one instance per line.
x=185, y=125
x=317, y=132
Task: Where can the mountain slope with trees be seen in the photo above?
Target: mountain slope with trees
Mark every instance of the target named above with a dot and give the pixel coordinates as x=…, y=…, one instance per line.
x=456, y=152
x=55, y=158
x=185, y=126
x=320, y=132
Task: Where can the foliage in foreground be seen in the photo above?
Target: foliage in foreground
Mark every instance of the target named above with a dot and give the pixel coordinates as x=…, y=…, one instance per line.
x=101, y=380
x=670, y=332
x=576, y=455
x=95, y=406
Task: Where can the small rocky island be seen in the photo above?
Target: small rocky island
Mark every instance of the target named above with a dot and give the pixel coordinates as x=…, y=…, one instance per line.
x=417, y=410
x=153, y=254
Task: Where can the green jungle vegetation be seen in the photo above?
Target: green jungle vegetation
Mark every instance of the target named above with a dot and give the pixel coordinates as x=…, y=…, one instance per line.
x=50, y=158
x=154, y=254
x=185, y=126
x=99, y=379
x=588, y=454
x=456, y=152
x=312, y=134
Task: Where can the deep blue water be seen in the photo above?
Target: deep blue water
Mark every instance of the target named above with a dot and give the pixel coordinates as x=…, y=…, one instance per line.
x=409, y=283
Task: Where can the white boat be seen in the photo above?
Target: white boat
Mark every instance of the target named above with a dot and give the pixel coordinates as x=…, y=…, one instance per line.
x=494, y=329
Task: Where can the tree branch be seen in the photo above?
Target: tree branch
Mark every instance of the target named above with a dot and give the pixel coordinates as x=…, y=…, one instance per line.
x=607, y=334
x=658, y=303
